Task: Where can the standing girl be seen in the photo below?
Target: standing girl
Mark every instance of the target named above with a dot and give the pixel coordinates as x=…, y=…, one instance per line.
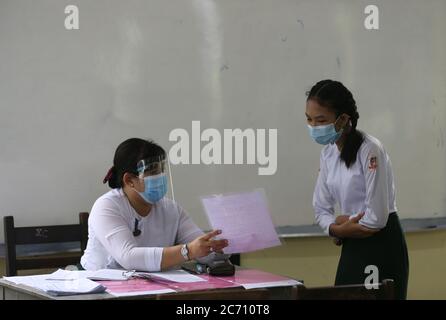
x=355, y=173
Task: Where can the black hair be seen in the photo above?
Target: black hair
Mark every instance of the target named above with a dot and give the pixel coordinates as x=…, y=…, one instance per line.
x=127, y=156
x=334, y=95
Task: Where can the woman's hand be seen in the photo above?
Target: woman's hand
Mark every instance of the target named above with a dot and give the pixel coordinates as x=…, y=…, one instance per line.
x=352, y=229
x=204, y=245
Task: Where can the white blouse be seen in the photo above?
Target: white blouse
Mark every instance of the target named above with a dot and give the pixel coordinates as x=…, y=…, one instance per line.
x=367, y=186
x=111, y=243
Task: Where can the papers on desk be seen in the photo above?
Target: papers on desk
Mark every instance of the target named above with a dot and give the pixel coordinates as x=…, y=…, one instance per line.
x=76, y=282
x=122, y=275
x=64, y=282
x=58, y=287
x=122, y=283
x=71, y=287
x=244, y=220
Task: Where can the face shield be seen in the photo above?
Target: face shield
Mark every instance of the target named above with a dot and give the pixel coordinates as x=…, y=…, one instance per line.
x=156, y=176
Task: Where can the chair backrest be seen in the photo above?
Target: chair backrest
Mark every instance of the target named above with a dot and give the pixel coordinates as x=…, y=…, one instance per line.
x=385, y=291
x=42, y=235
x=227, y=294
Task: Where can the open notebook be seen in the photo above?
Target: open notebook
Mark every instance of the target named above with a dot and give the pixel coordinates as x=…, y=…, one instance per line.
x=180, y=276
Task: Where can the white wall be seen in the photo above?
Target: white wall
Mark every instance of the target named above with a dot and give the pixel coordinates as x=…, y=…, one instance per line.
x=144, y=68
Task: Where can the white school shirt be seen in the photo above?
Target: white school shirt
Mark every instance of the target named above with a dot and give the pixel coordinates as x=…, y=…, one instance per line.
x=111, y=243
x=367, y=186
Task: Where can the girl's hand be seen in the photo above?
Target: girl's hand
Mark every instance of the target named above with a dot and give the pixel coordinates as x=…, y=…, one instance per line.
x=352, y=229
x=341, y=219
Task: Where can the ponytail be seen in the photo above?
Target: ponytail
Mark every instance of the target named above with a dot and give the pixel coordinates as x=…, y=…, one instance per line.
x=112, y=178
x=353, y=142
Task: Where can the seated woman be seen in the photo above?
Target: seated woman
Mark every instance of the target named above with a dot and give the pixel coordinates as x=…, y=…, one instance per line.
x=134, y=226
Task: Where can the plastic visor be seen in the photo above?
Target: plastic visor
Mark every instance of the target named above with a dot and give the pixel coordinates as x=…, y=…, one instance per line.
x=155, y=166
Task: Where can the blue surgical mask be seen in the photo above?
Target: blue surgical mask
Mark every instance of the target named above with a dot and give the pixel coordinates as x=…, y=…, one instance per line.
x=155, y=188
x=324, y=134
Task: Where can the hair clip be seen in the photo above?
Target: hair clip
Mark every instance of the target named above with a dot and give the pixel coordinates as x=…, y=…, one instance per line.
x=108, y=175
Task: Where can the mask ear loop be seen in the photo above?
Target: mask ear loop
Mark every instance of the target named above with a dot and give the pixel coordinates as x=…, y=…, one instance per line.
x=334, y=123
x=346, y=125
x=170, y=178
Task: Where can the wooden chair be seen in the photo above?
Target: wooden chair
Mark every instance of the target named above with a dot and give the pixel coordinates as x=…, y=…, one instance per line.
x=385, y=291
x=222, y=294
x=43, y=235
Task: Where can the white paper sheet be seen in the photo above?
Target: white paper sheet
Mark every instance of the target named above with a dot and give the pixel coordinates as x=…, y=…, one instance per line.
x=244, y=219
x=108, y=274
x=284, y=283
x=58, y=287
x=140, y=293
x=31, y=281
x=175, y=276
x=68, y=275
x=102, y=274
